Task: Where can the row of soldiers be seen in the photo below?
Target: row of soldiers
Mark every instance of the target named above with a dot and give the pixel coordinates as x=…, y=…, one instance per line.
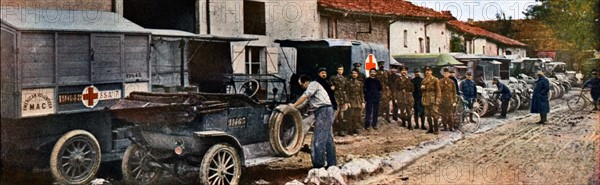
x=426, y=98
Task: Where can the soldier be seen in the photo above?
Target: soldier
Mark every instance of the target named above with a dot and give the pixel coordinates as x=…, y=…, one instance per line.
x=392, y=83
x=372, y=90
x=361, y=75
x=454, y=79
x=431, y=99
x=419, y=110
x=404, y=88
x=448, y=100
x=384, y=105
x=354, y=90
x=338, y=84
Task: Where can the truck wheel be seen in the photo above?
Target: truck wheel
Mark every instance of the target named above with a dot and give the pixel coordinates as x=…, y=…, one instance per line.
x=285, y=130
x=514, y=103
x=221, y=164
x=480, y=105
x=75, y=158
x=138, y=167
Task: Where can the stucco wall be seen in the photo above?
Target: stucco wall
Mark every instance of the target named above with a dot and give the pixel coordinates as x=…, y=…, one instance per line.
x=354, y=28
x=100, y=5
x=522, y=52
x=437, y=32
x=283, y=19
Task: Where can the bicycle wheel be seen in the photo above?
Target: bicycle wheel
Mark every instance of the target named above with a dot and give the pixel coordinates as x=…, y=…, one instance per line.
x=470, y=126
x=577, y=103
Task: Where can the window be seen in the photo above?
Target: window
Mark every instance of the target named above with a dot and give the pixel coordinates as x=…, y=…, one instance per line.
x=161, y=14
x=254, y=18
x=405, y=38
x=254, y=60
x=421, y=49
x=484, y=50
x=427, y=45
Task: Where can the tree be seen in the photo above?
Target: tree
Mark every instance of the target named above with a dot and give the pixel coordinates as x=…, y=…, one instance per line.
x=505, y=26
x=575, y=21
x=457, y=44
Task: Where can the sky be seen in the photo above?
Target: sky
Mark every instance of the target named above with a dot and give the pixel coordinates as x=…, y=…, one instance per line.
x=479, y=10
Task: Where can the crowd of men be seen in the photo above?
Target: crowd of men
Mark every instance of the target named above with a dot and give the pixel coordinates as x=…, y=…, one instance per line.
x=393, y=95
x=338, y=102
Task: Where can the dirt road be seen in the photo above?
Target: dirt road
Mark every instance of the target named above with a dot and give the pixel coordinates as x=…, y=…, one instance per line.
x=565, y=151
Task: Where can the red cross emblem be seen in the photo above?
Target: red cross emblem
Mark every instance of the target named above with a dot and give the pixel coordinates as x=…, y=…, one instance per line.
x=89, y=96
x=370, y=63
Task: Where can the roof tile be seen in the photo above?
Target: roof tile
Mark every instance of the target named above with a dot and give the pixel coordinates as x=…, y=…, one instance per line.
x=477, y=31
x=399, y=8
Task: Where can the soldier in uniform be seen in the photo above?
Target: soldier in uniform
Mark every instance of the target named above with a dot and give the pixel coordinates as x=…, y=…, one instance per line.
x=448, y=100
x=431, y=99
x=383, y=77
x=361, y=75
x=392, y=83
x=354, y=90
x=419, y=110
x=404, y=95
x=338, y=84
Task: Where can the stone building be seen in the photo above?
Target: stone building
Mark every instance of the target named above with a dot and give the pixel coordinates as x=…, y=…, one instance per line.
x=480, y=41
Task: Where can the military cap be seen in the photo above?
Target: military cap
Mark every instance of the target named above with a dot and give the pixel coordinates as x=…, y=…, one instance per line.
x=381, y=62
x=417, y=70
x=446, y=70
x=496, y=79
x=468, y=74
x=322, y=69
x=452, y=71
x=427, y=68
x=403, y=68
x=594, y=72
x=357, y=64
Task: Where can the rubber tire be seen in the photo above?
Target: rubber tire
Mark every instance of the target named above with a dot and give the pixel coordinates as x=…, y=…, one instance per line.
x=275, y=123
x=514, y=103
x=60, y=144
x=484, y=103
x=127, y=177
x=208, y=156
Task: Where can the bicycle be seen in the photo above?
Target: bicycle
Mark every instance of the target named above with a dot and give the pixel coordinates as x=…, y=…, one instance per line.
x=580, y=102
x=465, y=124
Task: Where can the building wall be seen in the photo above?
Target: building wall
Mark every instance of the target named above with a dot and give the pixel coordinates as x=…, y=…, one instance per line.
x=491, y=48
x=522, y=52
x=437, y=32
x=355, y=28
x=478, y=44
x=100, y=5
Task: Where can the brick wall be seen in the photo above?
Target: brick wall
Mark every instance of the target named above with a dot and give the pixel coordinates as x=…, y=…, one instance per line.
x=100, y=5
x=347, y=28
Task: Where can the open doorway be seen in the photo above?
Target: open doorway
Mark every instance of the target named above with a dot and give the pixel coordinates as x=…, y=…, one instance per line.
x=163, y=14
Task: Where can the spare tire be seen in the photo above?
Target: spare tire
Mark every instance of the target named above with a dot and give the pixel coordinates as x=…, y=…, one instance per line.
x=285, y=130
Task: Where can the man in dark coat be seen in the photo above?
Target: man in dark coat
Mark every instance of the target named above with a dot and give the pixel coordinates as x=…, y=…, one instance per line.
x=419, y=110
x=322, y=80
x=455, y=80
x=539, y=101
x=469, y=92
x=594, y=85
x=372, y=91
x=504, y=96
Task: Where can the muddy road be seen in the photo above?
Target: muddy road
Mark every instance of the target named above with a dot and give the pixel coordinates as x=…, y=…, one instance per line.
x=564, y=151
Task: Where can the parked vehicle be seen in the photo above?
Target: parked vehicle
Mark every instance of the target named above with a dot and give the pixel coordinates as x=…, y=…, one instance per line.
x=205, y=137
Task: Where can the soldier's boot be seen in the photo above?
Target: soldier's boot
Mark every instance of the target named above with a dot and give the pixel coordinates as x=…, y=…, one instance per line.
x=409, y=124
x=403, y=122
x=430, y=123
x=436, y=126
x=422, y=123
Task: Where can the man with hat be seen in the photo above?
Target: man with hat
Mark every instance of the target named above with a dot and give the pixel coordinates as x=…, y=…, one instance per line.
x=404, y=88
x=431, y=99
x=594, y=84
x=383, y=77
x=358, y=67
x=448, y=101
x=338, y=84
x=356, y=99
x=372, y=90
x=392, y=84
x=504, y=96
x=539, y=100
x=322, y=72
x=453, y=78
x=419, y=110
x=469, y=92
